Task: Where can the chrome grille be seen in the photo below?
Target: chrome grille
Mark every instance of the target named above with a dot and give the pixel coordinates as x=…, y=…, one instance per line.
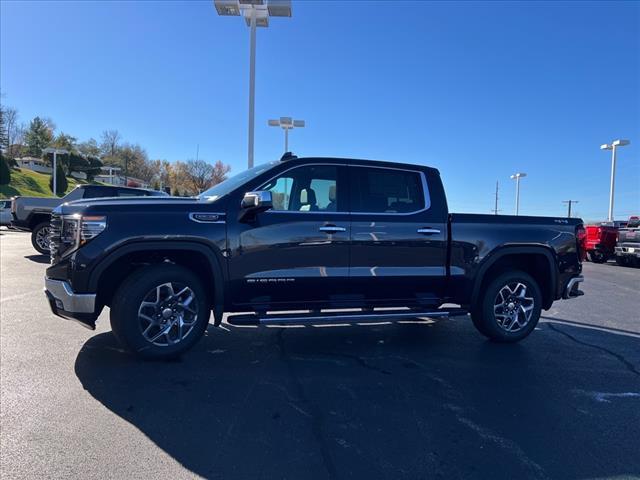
x=61, y=236
x=54, y=237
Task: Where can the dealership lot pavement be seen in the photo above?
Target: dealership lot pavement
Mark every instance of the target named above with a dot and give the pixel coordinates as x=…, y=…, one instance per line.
x=407, y=400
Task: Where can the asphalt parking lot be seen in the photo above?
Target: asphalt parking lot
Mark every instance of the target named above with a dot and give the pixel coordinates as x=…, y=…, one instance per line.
x=423, y=399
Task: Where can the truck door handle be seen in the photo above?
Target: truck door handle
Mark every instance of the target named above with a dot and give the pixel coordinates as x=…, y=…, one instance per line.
x=428, y=231
x=332, y=229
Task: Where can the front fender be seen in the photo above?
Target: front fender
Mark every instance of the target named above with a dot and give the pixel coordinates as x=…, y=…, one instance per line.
x=212, y=253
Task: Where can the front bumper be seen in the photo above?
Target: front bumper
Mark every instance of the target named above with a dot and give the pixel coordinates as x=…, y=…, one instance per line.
x=572, y=290
x=628, y=251
x=65, y=303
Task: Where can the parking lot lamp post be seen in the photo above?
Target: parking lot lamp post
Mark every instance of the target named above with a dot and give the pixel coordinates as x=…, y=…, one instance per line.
x=286, y=123
x=256, y=13
x=612, y=146
x=517, y=177
x=55, y=152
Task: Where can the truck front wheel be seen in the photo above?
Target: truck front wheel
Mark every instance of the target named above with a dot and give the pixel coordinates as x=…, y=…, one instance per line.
x=160, y=311
x=40, y=237
x=509, y=307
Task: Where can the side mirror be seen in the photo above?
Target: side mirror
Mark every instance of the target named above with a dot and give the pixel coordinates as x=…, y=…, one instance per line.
x=257, y=200
x=254, y=203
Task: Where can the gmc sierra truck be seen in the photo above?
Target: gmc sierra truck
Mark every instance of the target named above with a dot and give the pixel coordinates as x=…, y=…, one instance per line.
x=329, y=239
x=34, y=213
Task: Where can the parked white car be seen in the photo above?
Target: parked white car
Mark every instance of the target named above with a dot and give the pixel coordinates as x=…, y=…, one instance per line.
x=5, y=212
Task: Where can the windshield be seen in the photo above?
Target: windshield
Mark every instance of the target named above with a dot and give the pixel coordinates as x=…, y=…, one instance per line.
x=234, y=182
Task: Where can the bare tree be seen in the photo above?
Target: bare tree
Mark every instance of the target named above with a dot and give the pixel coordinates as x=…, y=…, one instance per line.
x=110, y=142
x=199, y=174
x=11, y=122
x=220, y=171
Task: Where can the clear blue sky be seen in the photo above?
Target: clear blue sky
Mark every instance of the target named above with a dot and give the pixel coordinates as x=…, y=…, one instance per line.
x=479, y=90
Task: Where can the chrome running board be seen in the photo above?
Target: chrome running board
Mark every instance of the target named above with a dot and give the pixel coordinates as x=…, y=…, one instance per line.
x=360, y=316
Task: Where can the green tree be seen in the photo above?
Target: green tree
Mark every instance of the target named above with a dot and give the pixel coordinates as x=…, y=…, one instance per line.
x=94, y=167
x=5, y=171
x=89, y=148
x=38, y=136
x=61, y=181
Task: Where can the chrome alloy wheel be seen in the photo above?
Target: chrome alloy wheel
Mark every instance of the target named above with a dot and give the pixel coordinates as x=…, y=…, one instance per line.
x=42, y=238
x=166, y=317
x=512, y=308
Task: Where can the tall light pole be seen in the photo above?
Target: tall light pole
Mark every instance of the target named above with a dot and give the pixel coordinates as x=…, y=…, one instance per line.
x=517, y=177
x=612, y=146
x=256, y=13
x=286, y=123
x=55, y=152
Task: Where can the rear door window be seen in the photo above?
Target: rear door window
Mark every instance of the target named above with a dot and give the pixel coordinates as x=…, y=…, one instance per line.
x=386, y=190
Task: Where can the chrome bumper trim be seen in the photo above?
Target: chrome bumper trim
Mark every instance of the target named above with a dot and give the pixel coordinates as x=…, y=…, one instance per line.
x=71, y=302
x=571, y=286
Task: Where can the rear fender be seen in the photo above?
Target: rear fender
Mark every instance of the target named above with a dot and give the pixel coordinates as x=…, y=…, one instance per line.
x=549, y=290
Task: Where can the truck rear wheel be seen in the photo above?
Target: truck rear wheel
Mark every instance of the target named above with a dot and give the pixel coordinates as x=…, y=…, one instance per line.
x=596, y=256
x=509, y=307
x=40, y=237
x=160, y=311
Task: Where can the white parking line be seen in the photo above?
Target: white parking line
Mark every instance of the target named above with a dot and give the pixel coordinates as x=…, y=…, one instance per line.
x=21, y=295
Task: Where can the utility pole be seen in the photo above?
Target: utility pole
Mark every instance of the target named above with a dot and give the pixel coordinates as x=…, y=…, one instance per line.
x=569, y=203
x=495, y=209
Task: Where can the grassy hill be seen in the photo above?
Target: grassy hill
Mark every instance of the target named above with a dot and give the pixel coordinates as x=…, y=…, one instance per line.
x=32, y=184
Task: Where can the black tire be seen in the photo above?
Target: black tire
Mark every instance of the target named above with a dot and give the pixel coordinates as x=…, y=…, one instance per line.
x=38, y=235
x=622, y=260
x=488, y=322
x=597, y=257
x=128, y=327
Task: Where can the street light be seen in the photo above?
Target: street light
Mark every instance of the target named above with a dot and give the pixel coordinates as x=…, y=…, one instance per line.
x=256, y=13
x=55, y=152
x=517, y=177
x=612, y=147
x=286, y=123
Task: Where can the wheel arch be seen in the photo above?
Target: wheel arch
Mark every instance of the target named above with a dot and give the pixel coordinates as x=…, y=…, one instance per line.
x=536, y=260
x=200, y=258
x=36, y=218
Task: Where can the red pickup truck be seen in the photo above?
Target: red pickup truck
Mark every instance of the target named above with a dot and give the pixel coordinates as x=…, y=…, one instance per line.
x=601, y=242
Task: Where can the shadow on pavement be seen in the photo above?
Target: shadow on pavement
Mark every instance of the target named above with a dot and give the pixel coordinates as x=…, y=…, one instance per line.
x=394, y=401
x=38, y=258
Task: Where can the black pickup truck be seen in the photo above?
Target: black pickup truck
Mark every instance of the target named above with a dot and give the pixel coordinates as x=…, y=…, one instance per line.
x=329, y=239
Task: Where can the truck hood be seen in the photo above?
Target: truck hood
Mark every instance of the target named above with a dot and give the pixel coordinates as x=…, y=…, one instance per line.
x=118, y=201
x=130, y=205
x=49, y=201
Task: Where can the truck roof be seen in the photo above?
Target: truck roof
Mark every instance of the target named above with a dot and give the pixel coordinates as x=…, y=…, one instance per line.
x=357, y=161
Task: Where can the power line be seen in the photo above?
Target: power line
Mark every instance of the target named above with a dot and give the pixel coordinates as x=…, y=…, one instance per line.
x=569, y=203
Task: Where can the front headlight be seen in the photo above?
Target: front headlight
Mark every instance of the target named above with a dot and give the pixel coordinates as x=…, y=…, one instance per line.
x=91, y=227
x=78, y=230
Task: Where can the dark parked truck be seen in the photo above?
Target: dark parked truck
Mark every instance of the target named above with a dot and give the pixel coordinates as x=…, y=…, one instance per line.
x=34, y=213
x=627, y=249
x=332, y=240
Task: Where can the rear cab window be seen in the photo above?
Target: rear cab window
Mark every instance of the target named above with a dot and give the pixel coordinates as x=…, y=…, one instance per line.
x=126, y=192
